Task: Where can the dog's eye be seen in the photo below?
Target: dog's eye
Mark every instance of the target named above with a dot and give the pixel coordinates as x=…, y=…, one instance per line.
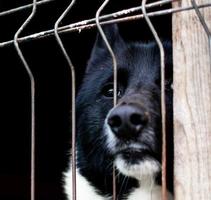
x=108, y=91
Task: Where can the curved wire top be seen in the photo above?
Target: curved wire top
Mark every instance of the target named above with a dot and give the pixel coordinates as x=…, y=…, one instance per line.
x=32, y=82
x=108, y=47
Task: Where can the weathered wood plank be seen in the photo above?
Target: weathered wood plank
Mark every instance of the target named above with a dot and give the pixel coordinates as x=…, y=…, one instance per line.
x=192, y=105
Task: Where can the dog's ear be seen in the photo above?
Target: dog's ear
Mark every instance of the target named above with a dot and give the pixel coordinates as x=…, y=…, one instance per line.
x=100, y=51
x=112, y=34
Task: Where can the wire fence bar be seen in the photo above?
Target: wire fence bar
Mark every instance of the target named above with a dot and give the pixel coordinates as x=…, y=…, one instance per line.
x=72, y=69
x=32, y=83
x=203, y=23
x=78, y=27
x=122, y=13
x=114, y=61
x=13, y=10
x=163, y=101
x=112, y=15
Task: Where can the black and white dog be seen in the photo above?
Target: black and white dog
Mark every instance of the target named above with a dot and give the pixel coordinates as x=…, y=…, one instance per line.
x=129, y=134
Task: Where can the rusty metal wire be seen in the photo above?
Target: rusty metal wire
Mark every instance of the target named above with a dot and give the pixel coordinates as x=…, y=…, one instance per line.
x=72, y=69
x=32, y=83
x=203, y=23
x=163, y=101
x=114, y=73
x=11, y=11
x=79, y=26
x=82, y=24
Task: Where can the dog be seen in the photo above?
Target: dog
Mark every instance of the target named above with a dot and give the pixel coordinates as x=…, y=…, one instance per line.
x=128, y=135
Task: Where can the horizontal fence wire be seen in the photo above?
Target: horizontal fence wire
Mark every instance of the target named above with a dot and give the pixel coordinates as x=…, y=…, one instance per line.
x=73, y=105
x=115, y=17
x=32, y=84
x=21, y=8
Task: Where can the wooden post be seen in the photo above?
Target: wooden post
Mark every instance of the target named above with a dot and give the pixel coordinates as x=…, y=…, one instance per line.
x=192, y=105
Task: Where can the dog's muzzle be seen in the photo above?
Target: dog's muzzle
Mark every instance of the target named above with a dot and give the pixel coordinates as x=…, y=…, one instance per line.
x=127, y=121
x=127, y=124
x=128, y=139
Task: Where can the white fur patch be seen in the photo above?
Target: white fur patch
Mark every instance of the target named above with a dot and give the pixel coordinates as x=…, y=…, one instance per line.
x=144, y=172
x=146, y=168
x=110, y=137
x=150, y=192
x=84, y=190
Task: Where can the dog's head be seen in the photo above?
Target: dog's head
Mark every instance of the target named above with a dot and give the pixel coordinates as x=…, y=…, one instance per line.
x=129, y=133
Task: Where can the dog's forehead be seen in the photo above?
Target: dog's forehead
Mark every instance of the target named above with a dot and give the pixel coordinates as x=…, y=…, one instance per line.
x=140, y=61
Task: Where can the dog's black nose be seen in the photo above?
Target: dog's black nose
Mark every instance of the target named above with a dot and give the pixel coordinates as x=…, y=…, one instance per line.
x=127, y=121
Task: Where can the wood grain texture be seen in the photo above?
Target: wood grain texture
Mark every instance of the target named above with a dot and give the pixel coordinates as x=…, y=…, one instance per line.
x=192, y=105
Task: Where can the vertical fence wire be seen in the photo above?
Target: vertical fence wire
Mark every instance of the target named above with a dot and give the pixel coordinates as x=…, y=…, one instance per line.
x=73, y=151
x=203, y=23
x=32, y=83
x=163, y=106
x=114, y=73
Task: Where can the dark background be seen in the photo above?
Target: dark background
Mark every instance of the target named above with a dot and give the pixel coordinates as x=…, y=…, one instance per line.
x=53, y=92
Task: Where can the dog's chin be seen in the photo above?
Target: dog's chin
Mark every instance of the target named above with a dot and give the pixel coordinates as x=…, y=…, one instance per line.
x=136, y=165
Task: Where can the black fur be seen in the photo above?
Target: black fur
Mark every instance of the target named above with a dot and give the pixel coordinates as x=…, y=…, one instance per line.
x=138, y=80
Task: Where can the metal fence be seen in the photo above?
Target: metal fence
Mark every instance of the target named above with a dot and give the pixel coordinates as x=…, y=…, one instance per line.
x=98, y=21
